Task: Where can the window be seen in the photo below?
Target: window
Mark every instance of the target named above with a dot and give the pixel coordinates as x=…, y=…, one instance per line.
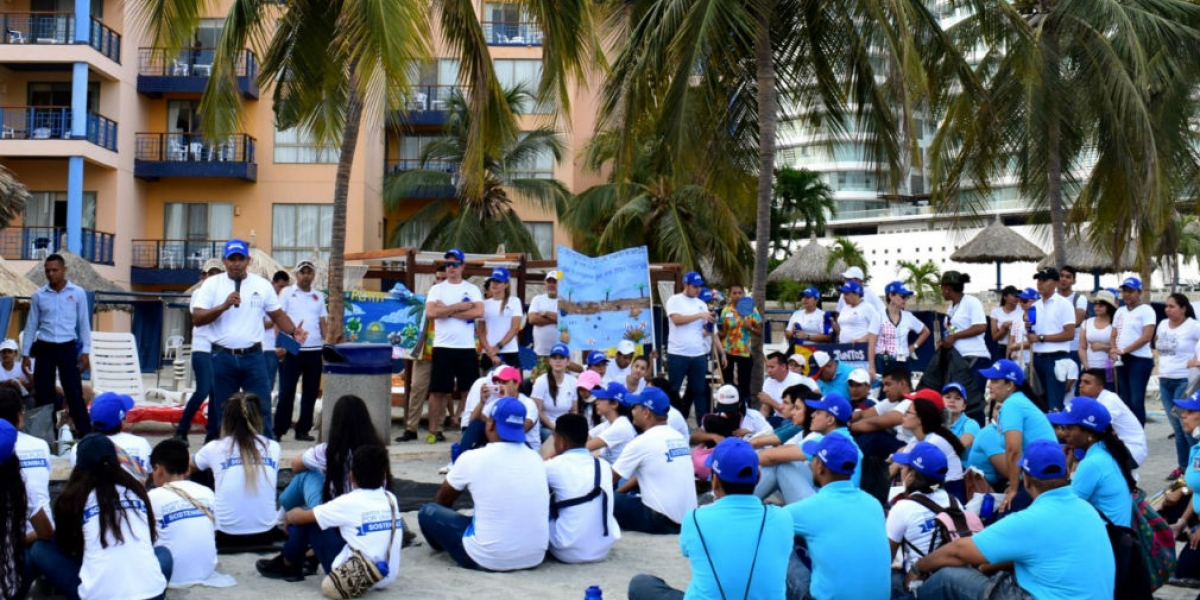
x=183, y=116
x=411, y=147
x=543, y=236
x=59, y=94
x=49, y=209
x=505, y=24
x=527, y=72
x=299, y=230
x=299, y=146
x=539, y=166
x=198, y=221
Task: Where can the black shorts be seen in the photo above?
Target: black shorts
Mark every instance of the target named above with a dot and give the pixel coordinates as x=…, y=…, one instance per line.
x=453, y=369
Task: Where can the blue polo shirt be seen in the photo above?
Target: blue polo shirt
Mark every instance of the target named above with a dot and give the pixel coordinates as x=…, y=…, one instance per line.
x=1192, y=475
x=1099, y=481
x=730, y=527
x=787, y=431
x=840, y=383
x=963, y=425
x=1059, y=547
x=988, y=443
x=847, y=542
x=1019, y=413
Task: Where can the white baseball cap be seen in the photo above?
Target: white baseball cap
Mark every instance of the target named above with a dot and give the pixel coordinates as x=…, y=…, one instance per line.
x=625, y=347
x=727, y=394
x=799, y=359
x=853, y=273
x=9, y=344
x=821, y=358
x=860, y=376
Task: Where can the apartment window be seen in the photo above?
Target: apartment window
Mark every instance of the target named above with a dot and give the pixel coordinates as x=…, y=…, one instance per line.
x=411, y=147
x=543, y=237
x=49, y=209
x=539, y=166
x=527, y=72
x=300, y=230
x=198, y=221
x=299, y=146
x=58, y=93
x=208, y=33
x=433, y=84
x=506, y=24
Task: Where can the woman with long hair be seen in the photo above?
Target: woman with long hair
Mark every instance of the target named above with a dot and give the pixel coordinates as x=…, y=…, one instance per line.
x=1095, y=337
x=784, y=468
x=924, y=419
x=104, y=542
x=892, y=346
x=1104, y=476
x=501, y=323
x=923, y=470
x=554, y=392
x=1175, y=339
x=638, y=369
x=14, y=581
x=245, y=467
x=615, y=430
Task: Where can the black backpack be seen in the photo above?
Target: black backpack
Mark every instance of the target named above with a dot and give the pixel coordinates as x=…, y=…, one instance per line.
x=1132, y=575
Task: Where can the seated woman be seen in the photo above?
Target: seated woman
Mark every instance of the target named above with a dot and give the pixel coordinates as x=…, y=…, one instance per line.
x=924, y=420
x=554, y=392
x=615, y=429
x=1103, y=476
x=955, y=396
x=784, y=468
x=986, y=454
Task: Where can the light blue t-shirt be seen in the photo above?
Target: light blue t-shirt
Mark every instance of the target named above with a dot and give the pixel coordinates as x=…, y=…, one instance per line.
x=988, y=443
x=964, y=424
x=1192, y=475
x=847, y=542
x=1019, y=413
x=840, y=383
x=1059, y=547
x=1099, y=481
x=730, y=527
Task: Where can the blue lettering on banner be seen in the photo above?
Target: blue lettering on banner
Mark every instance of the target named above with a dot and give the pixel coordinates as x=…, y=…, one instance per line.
x=179, y=515
x=126, y=504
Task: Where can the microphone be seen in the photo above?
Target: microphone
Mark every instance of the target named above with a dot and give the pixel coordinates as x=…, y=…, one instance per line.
x=237, y=287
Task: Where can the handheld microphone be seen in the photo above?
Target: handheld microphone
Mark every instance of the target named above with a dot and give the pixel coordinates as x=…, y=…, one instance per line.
x=237, y=287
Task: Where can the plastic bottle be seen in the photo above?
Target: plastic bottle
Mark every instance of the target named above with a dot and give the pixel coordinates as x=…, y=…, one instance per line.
x=593, y=593
x=66, y=440
x=987, y=507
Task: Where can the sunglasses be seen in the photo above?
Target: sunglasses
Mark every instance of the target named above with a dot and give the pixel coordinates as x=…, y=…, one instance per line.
x=453, y=265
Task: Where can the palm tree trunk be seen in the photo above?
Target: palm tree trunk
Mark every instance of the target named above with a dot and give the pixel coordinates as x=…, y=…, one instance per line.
x=767, y=110
x=341, y=189
x=1054, y=165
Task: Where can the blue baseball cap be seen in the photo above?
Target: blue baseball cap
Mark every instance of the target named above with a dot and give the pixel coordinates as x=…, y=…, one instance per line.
x=652, y=398
x=1085, y=412
x=734, y=461
x=1190, y=403
x=1028, y=294
x=108, y=410
x=1005, y=369
x=500, y=274
x=811, y=292
x=560, y=350
x=833, y=404
x=8, y=440
x=851, y=287
x=455, y=253
x=924, y=458
x=837, y=451
x=233, y=247
x=616, y=391
x=693, y=278
x=1132, y=283
x=956, y=386
x=897, y=287
x=1044, y=459
x=596, y=357
x=509, y=415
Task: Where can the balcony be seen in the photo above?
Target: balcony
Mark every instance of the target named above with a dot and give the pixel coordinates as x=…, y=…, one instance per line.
x=187, y=72
x=512, y=33
x=431, y=191
x=58, y=28
x=191, y=155
x=36, y=243
x=54, y=123
x=171, y=262
x=427, y=104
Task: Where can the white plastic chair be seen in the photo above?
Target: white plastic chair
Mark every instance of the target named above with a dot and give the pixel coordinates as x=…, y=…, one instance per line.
x=176, y=151
x=115, y=365
x=171, y=349
x=16, y=37
x=178, y=69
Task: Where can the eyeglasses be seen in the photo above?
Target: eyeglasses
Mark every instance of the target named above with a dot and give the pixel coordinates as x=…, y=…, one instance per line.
x=1178, y=412
x=453, y=265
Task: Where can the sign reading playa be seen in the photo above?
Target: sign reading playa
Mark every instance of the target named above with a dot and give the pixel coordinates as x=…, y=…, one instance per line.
x=605, y=299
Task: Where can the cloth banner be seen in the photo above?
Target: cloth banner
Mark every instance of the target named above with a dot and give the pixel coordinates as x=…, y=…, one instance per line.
x=854, y=355
x=385, y=318
x=605, y=299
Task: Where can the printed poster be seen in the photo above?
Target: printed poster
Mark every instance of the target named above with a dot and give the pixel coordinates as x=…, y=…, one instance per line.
x=604, y=299
x=384, y=318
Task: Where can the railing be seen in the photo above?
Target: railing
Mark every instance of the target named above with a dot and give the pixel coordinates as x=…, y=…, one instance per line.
x=175, y=254
x=410, y=164
x=53, y=123
x=193, y=147
x=431, y=97
x=36, y=243
x=190, y=62
x=512, y=33
x=105, y=40
x=58, y=27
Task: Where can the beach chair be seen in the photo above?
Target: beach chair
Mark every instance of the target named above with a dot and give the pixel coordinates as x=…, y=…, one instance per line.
x=115, y=365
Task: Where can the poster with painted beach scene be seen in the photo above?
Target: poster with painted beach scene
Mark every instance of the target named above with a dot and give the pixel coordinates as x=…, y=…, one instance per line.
x=604, y=299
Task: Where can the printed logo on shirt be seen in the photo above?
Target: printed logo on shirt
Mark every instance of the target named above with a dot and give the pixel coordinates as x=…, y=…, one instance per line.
x=928, y=525
x=677, y=449
x=236, y=461
x=191, y=512
x=34, y=459
x=376, y=521
x=127, y=504
x=256, y=300
x=1196, y=463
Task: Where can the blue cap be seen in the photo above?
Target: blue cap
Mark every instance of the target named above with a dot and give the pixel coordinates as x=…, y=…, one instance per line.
x=456, y=254
x=1028, y=294
x=616, y=391
x=833, y=404
x=1085, y=412
x=509, y=415
x=924, y=458
x=897, y=287
x=851, y=287
x=1114, y=291
x=837, y=451
x=236, y=247
x=500, y=274
x=1132, y=283
x=108, y=410
x=1005, y=369
x=596, y=357
x=1190, y=403
x=693, y=278
x=734, y=461
x=956, y=386
x=1044, y=459
x=811, y=292
x=652, y=398
x=8, y=440
x=705, y=294
x=561, y=350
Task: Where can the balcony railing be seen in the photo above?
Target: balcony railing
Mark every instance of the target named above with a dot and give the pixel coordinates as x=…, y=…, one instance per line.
x=193, y=155
x=53, y=123
x=36, y=243
x=431, y=97
x=178, y=255
x=189, y=62
x=512, y=33
x=58, y=27
x=410, y=164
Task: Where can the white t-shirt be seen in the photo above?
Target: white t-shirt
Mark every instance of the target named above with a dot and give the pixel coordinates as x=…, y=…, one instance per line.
x=911, y=522
x=544, y=336
x=1096, y=358
x=200, y=341
x=135, y=446
x=812, y=323
x=14, y=373
x=1128, y=429
x=617, y=374
x=239, y=327
x=616, y=434
x=687, y=339
x=775, y=389
x=754, y=422
x=1002, y=317
x=1080, y=303
x=954, y=470
x=186, y=531
x=1129, y=324
x=123, y=570
x=511, y=526
x=453, y=332
x=1053, y=314
x=676, y=421
x=898, y=338
x=857, y=321
x=472, y=400
x=662, y=462
x=366, y=521
x=886, y=406
x=1175, y=347
x=555, y=407
x=868, y=297
x=306, y=310
x=577, y=535
x=242, y=511
x=499, y=321
x=34, y=454
x=962, y=316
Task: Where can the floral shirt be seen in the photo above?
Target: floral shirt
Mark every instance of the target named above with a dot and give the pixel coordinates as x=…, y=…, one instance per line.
x=737, y=330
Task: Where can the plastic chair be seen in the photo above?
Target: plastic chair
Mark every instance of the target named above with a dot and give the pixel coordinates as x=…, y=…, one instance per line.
x=171, y=349
x=116, y=366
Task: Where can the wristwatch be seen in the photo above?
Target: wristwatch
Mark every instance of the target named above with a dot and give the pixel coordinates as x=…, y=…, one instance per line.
x=1041, y=338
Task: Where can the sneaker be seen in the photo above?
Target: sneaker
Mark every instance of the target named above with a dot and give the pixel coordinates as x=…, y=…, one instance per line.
x=276, y=568
x=409, y=435
x=304, y=437
x=1176, y=474
x=435, y=437
x=445, y=469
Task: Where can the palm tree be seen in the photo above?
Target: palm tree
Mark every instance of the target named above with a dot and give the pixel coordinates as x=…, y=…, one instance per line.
x=13, y=197
x=849, y=253
x=1179, y=244
x=922, y=278
x=800, y=195
x=477, y=222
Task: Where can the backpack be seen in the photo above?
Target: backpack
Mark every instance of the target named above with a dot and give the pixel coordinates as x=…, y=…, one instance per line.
x=1157, y=541
x=1132, y=574
x=952, y=523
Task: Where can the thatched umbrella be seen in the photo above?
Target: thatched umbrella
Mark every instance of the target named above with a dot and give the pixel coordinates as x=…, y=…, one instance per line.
x=13, y=196
x=263, y=265
x=998, y=243
x=1082, y=255
x=13, y=283
x=81, y=273
x=807, y=265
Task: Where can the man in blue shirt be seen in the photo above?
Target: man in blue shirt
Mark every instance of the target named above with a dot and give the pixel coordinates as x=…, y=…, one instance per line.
x=1059, y=546
x=58, y=334
x=844, y=529
x=738, y=548
x=832, y=376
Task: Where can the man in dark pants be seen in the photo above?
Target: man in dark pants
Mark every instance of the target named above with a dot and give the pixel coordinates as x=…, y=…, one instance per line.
x=303, y=305
x=58, y=334
x=201, y=363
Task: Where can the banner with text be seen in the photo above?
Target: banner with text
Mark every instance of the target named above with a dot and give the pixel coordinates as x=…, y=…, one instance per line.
x=854, y=355
x=605, y=299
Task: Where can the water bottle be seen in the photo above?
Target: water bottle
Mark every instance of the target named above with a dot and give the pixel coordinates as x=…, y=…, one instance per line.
x=1108, y=370
x=1032, y=312
x=987, y=507
x=593, y=593
x=66, y=440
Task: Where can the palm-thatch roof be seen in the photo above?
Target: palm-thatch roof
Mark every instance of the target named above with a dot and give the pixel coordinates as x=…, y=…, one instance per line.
x=263, y=265
x=1086, y=258
x=13, y=197
x=79, y=271
x=997, y=242
x=13, y=283
x=807, y=265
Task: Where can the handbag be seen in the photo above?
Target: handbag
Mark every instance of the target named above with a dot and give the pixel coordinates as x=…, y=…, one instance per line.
x=359, y=573
x=1157, y=541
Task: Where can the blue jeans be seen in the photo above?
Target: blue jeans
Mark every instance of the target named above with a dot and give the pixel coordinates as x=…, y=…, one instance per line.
x=326, y=544
x=304, y=491
x=1132, y=377
x=649, y=587
x=272, y=361
x=966, y=583
x=695, y=370
x=1171, y=390
x=799, y=579
x=63, y=572
x=203, y=371
x=474, y=436
x=234, y=372
x=443, y=528
x=1053, y=390
x=632, y=515
x=792, y=479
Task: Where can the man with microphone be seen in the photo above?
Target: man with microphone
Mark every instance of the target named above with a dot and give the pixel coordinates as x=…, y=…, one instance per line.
x=234, y=306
